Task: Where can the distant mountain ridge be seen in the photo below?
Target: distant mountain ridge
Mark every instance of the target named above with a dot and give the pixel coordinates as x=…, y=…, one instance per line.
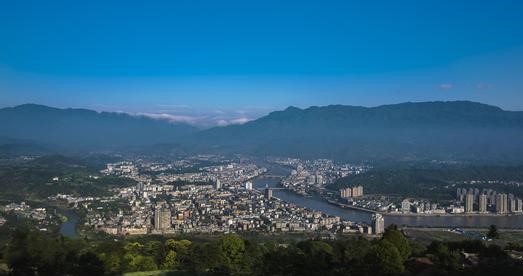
x=83, y=128
x=406, y=131
x=458, y=129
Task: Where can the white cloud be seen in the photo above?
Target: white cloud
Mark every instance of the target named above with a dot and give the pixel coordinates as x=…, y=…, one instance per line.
x=201, y=121
x=446, y=86
x=239, y=121
x=171, y=118
x=235, y=121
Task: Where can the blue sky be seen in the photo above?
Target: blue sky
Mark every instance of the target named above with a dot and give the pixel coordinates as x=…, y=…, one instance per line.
x=227, y=61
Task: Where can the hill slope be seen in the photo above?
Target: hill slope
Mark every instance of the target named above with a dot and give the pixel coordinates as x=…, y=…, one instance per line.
x=407, y=131
x=81, y=128
x=457, y=130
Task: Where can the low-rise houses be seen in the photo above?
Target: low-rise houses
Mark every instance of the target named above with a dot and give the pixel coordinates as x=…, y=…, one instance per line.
x=199, y=204
x=40, y=216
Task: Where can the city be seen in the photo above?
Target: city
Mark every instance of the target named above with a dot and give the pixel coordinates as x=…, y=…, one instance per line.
x=215, y=199
x=239, y=138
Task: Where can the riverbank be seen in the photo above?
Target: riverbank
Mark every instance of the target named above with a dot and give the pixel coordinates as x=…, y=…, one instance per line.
x=341, y=205
x=69, y=226
x=358, y=214
x=450, y=215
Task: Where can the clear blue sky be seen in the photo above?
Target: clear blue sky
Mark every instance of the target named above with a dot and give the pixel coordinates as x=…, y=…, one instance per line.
x=195, y=57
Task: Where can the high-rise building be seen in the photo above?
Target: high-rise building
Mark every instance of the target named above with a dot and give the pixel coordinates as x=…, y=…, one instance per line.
x=139, y=187
x=469, y=203
x=319, y=179
x=476, y=192
x=519, y=206
x=405, y=205
x=493, y=197
x=357, y=191
x=162, y=219
x=501, y=203
x=482, y=203
x=459, y=195
x=218, y=184
x=378, y=224
x=268, y=192
x=351, y=192
x=511, y=205
x=505, y=203
x=346, y=192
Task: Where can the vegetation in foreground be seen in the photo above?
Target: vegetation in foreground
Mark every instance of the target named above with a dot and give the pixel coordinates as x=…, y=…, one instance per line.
x=33, y=253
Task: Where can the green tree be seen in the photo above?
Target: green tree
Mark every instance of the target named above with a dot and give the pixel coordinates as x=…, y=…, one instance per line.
x=394, y=236
x=154, y=249
x=112, y=262
x=493, y=232
x=20, y=261
x=350, y=254
x=443, y=256
x=135, y=262
x=89, y=264
x=146, y=263
x=417, y=249
x=204, y=257
x=281, y=261
x=384, y=259
x=317, y=256
x=181, y=248
x=170, y=261
x=134, y=248
x=232, y=249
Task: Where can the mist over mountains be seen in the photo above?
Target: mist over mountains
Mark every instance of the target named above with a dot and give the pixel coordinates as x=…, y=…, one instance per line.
x=458, y=130
x=85, y=129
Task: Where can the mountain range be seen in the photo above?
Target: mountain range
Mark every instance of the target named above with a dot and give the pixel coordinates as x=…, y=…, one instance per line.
x=459, y=130
x=84, y=129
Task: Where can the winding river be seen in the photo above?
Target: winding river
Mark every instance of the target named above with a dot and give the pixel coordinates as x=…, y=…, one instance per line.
x=315, y=202
x=319, y=204
x=68, y=228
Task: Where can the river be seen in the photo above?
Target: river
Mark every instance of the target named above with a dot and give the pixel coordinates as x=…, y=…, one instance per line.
x=68, y=228
x=319, y=204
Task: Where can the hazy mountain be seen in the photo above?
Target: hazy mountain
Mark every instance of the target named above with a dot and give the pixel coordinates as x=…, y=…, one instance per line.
x=457, y=130
x=85, y=129
x=428, y=130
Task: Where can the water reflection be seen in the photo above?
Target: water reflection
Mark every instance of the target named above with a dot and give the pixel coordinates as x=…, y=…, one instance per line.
x=68, y=228
x=317, y=203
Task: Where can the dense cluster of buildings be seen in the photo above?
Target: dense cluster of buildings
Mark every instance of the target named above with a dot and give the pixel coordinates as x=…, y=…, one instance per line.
x=468, y=201
x=205, y=209
x=145, y=172
x=488, y=200
x=225, y=202
x=309, y=176
x=420, y=206
x=40, y=216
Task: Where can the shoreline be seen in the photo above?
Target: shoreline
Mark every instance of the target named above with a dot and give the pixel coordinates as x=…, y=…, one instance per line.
x=389, y=214
x=345, y=206
x=427, y=221
x=72, y=222
x=450, y=215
